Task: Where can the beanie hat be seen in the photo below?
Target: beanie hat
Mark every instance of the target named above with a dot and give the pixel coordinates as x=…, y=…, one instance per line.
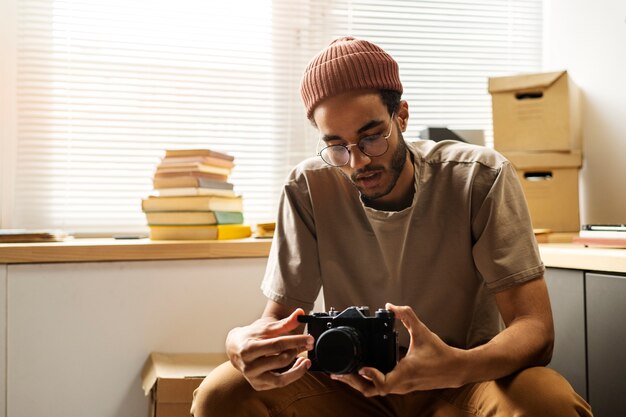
x=348, y=64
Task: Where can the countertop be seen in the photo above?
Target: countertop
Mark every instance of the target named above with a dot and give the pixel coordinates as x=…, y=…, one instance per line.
x=555, y=255
x=103, y=250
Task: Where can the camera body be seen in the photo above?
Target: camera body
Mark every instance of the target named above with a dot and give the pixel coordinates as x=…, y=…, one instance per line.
x=352, y=339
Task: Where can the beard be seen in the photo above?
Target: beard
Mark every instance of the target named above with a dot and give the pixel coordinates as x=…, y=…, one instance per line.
x=397, y=164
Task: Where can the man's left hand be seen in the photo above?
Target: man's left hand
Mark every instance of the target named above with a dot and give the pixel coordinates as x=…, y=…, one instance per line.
x=429, y=363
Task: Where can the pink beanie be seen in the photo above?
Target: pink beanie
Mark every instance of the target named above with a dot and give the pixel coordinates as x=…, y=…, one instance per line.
x=348, y=64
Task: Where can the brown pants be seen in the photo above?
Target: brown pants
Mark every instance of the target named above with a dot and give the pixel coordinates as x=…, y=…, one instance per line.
x=536, y=392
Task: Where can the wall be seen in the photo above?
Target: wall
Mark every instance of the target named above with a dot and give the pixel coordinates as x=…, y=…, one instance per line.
x=78, y=335
x=3, y=334
x=588, y=38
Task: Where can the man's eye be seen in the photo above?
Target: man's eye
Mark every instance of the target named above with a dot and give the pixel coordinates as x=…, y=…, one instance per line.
x=336, y=148
x=371, y=138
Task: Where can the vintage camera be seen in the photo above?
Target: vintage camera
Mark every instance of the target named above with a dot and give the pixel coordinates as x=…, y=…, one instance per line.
x=352, y=339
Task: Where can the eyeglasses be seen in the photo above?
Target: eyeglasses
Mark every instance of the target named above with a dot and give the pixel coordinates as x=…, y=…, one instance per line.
x=373, y=145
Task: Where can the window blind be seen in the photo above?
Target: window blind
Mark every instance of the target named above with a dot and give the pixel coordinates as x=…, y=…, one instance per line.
x=104, y=86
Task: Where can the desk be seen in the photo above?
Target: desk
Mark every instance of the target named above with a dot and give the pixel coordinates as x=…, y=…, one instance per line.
x=587, y=290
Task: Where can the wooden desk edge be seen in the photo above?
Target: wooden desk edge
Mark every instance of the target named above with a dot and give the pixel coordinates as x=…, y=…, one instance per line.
x=110, y=250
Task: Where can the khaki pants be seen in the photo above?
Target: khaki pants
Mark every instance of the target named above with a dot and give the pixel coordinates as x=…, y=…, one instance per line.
x=537, y=392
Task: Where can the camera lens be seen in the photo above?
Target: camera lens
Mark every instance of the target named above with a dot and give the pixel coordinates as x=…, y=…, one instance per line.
x=338, y=350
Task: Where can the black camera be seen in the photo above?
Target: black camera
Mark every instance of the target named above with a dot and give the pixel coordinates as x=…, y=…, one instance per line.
x=352, y=339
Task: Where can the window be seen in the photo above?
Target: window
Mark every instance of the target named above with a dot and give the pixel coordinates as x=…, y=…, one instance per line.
x=97, y=89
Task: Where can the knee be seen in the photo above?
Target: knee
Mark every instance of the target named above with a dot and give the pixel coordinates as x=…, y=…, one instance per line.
x=544, y=392
x=220, y=393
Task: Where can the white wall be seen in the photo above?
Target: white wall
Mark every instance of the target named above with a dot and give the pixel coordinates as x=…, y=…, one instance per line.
x=588, y=38
x=79, y=334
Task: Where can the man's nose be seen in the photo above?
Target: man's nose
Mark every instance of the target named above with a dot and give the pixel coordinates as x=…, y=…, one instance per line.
x=357, y=157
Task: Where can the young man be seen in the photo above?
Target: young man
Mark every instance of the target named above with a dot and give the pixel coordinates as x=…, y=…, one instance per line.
x=438, y=233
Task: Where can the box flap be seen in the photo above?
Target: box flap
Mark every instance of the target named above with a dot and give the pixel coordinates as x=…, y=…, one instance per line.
x=523, y=81
x=178, y=365
x=175, y=391
x=543, y=160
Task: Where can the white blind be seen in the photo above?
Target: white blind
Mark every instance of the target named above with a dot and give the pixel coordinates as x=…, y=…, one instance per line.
x=447, y=49
x=104, y=86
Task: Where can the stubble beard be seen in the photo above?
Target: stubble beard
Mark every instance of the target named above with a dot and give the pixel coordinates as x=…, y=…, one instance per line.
x=397, y=165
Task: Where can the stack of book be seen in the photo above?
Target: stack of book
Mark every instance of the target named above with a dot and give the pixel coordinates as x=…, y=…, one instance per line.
x=28, y=235
x=602, y=235
x=193, y=198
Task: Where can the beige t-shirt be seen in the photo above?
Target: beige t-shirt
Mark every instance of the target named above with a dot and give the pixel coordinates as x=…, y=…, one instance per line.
x=466, y=236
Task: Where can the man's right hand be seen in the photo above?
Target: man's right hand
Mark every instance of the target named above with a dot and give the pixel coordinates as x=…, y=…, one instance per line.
x=264, y=347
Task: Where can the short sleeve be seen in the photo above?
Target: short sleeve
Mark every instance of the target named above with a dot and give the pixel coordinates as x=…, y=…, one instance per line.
x=292, y=276
x=505, y=249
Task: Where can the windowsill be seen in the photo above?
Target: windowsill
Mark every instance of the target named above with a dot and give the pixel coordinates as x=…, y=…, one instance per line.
x=107, y=250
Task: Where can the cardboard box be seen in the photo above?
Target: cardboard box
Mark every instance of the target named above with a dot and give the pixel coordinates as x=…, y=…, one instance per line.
x=550, y=184
x=535, y=112
x=171, y=379
x=437, y=134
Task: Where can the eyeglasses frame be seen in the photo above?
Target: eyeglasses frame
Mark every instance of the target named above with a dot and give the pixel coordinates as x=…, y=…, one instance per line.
x=347, y=147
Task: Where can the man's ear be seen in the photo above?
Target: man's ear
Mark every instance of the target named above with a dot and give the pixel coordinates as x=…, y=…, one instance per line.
x=403, y=114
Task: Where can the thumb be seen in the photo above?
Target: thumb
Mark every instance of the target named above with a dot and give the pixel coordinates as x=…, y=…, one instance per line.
x=407, y=316
x=287, y=324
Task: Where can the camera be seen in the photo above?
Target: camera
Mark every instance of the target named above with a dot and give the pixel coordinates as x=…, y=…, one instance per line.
x=352, y=339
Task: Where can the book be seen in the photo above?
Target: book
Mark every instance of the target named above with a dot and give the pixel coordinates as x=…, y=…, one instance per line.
x=207, y=160
x=606, y=227
x=190, y=181
x=191, y=173
x=27, y=236
x=172, y=218
x=197, y=152
x=193, y=167
x=183, y=191
x=233, y=231
x=203, y=232
x=265, y=230
x=608, y=231
x=600, y=242
x=192, y=203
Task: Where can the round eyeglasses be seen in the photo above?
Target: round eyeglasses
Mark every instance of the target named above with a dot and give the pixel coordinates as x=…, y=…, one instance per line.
x=372, y=146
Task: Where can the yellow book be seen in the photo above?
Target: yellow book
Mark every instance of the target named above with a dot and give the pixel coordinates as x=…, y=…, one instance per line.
x=233, y=231
x=265, y=230
x=192, y=167
x=200, y=232
x=197, y=152
x=193, y=218
x=193, y=203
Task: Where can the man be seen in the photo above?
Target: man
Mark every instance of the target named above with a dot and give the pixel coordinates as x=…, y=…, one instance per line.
x=438, y=233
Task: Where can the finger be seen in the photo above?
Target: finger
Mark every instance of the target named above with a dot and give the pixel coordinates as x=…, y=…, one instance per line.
x=257, y=348
x=271, y=380
x=270, y=363
x=356, y=381
x=378, y=379
x=285, y=325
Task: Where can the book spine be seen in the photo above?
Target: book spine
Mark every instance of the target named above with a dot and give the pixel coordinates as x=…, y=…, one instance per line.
x=233, y=231
x=197, y=152
x=187, y=160
x=228, y=217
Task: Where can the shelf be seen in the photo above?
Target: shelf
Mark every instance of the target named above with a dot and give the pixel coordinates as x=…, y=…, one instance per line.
x=99, y=250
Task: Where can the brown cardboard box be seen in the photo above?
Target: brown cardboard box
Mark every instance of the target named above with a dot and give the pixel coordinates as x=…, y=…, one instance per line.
x=535, y=112
x=172, y=378
x=550, y=184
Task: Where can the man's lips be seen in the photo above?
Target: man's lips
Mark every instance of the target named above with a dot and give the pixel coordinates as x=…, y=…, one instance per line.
x=368, y=179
